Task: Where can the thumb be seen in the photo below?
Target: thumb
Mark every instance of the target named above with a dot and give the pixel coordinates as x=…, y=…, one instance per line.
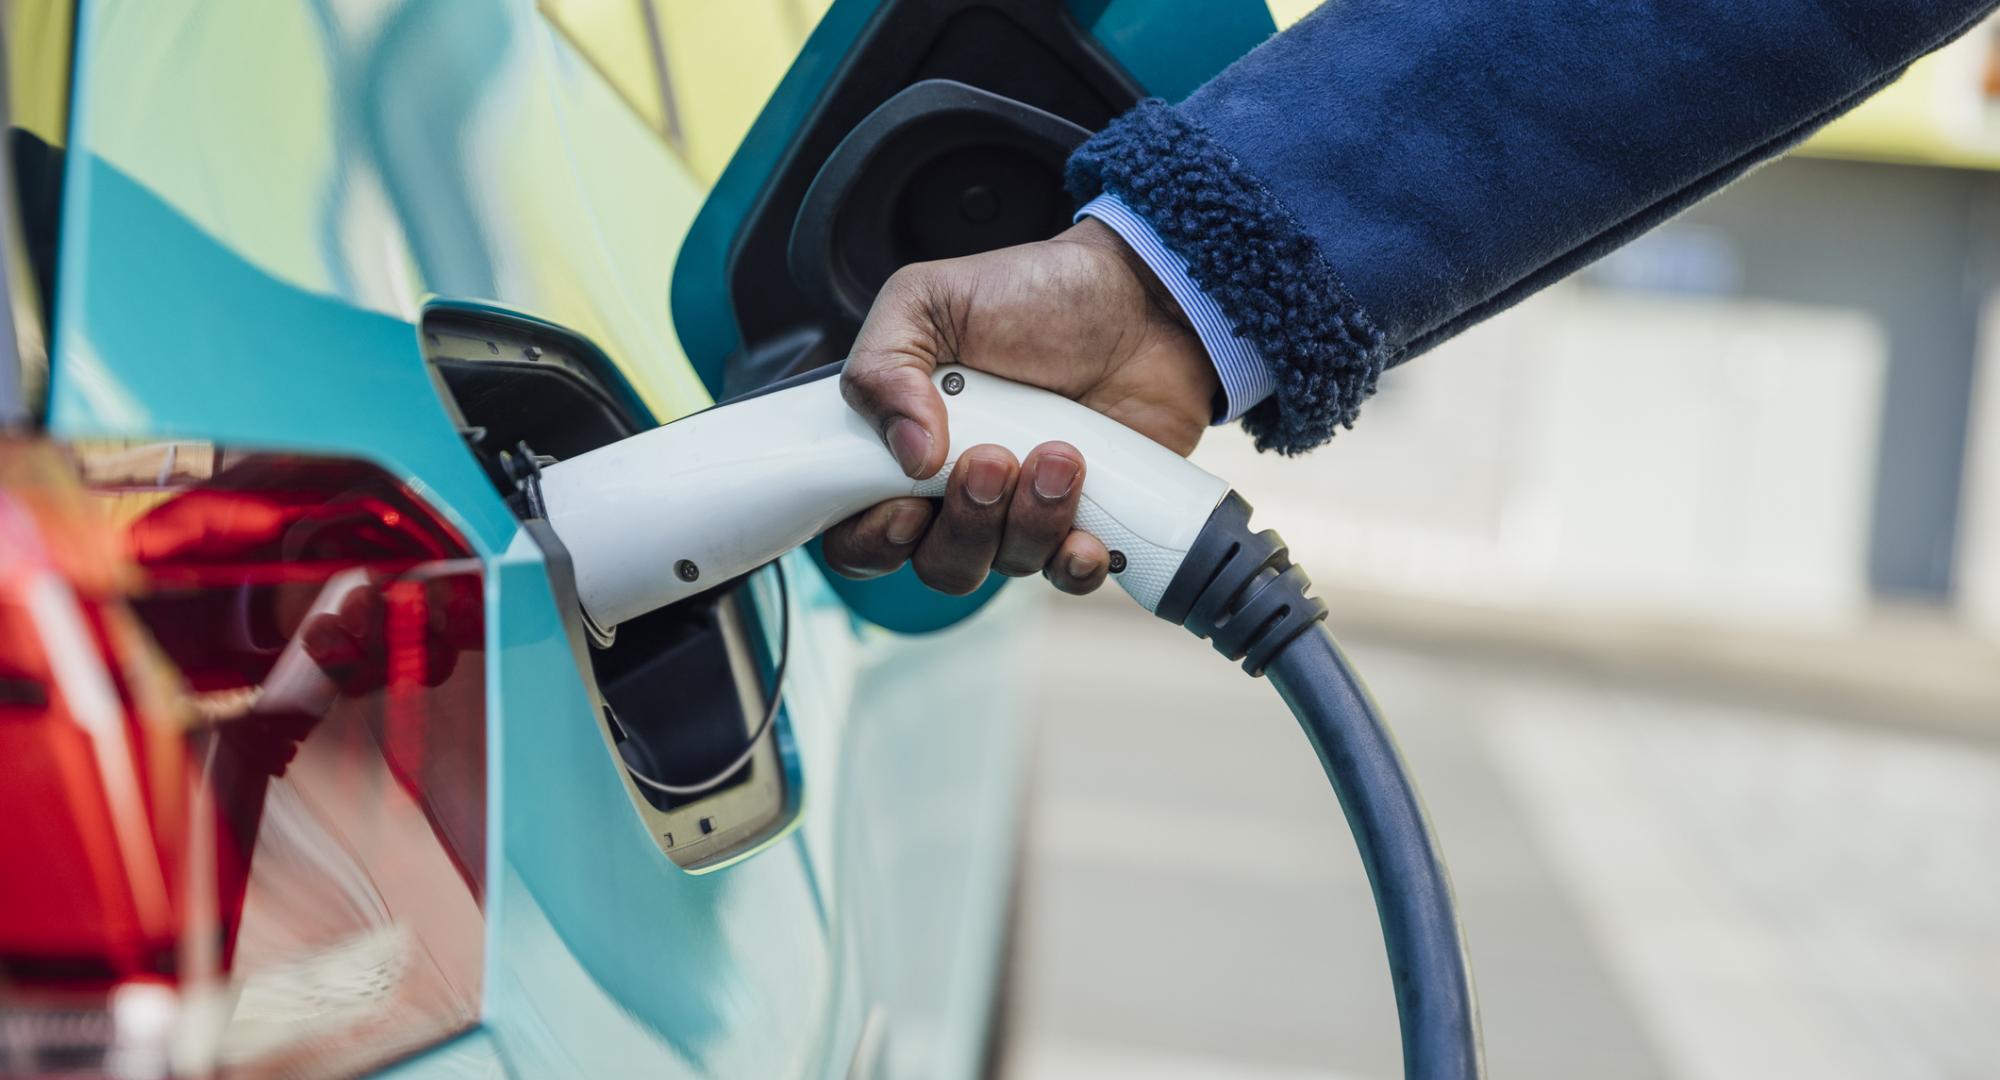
x=887, y=379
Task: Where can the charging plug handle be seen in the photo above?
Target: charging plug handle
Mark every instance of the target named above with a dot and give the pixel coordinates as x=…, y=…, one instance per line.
x=665, y=514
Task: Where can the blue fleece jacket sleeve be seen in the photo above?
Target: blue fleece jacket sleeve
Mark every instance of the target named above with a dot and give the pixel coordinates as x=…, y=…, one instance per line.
x=1386, y=173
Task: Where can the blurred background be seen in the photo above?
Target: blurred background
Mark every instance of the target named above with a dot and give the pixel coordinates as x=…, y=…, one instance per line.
x=1681, y=586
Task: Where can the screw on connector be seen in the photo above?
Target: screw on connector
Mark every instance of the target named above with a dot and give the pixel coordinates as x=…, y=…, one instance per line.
x=1117, y=562
x=686, y=570
x=953, y=382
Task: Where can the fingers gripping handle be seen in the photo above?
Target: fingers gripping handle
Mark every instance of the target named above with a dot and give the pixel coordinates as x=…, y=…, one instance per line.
x=1143, y=501
x=665, y=514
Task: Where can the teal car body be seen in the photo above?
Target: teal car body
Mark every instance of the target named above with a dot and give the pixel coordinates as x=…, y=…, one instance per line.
x=261, y=201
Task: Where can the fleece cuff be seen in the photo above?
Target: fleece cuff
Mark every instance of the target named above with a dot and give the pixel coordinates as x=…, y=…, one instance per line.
x=1247, y=252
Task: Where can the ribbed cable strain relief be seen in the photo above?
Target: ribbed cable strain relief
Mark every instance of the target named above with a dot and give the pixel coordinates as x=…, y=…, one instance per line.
x=1239, y=589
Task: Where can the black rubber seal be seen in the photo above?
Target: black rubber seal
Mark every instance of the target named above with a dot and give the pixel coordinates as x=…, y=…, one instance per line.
x=1239, y=590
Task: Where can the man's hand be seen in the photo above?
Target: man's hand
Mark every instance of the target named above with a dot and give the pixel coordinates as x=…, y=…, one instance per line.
x=1080, y=315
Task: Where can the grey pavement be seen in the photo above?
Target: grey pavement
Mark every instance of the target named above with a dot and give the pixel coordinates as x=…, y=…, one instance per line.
x=1658, y=880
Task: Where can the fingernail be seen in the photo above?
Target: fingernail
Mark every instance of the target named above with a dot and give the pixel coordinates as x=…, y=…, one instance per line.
x=983, y=481
x=911, y=444
x=1081, y=568
x=1054, y=476
x=905, y=524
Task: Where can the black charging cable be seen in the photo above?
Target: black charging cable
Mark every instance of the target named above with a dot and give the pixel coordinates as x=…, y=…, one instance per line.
x=1240, y=590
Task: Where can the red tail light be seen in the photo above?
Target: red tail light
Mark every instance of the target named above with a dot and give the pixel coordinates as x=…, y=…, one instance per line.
x=242, y=765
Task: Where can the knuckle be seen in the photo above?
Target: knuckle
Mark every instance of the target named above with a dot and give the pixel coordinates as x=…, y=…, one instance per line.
x=1031, y=540
x=907, y=279
x=851, y=555
x=951, y=580
x=917, y=281
x=844, y=564
x=964, y=525
x=870, y=564
x=1045, y=525
x=1030, y=555
x=874, y=372
x=868, y=378
x=1017, y=564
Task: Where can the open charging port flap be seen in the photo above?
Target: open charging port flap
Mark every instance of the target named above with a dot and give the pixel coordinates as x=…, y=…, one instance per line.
x=678, y=691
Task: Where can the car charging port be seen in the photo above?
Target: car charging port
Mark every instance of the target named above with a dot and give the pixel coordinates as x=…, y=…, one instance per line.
x=683, y=653
x=678, y=691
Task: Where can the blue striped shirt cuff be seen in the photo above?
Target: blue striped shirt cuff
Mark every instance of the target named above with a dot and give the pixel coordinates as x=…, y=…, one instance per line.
x=1246, y=377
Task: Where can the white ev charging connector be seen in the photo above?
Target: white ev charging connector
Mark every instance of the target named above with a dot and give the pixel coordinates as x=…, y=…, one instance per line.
x=725, y=491
x=674, y=511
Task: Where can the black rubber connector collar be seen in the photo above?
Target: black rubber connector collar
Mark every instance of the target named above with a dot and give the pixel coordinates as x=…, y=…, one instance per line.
x=1239, y=590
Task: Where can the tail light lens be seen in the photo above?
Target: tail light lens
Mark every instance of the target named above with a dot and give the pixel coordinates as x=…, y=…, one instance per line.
x=242, y=765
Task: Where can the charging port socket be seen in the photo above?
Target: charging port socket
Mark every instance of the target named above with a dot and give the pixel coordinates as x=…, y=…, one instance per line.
x=679, y=690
